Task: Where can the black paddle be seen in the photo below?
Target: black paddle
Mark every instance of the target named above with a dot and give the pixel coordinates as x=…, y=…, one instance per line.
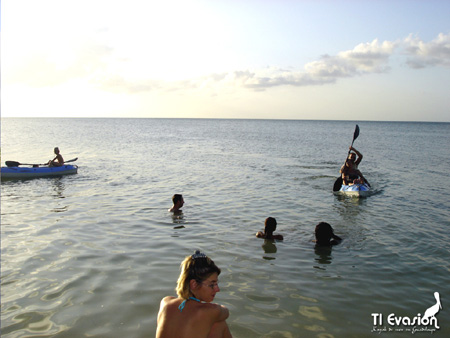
x=338, y=183
x=16, y=164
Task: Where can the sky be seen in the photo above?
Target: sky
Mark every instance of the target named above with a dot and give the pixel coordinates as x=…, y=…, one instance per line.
x=265, y=59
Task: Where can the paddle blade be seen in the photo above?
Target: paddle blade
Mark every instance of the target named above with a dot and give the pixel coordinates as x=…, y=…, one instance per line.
x=337, y=184
x=356, y=134
x=12, y=164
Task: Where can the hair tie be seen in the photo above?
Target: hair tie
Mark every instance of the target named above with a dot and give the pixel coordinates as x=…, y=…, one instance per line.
x=198, y=254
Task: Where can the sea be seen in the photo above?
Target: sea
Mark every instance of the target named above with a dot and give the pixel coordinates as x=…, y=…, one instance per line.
x=93, y=254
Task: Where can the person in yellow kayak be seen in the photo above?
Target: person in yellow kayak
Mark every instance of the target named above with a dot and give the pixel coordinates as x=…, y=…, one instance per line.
x=58, y=161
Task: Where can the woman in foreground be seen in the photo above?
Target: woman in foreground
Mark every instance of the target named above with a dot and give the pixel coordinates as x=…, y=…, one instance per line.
x=192, y=314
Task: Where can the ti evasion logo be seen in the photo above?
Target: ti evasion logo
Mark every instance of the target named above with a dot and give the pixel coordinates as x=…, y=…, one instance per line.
x=426, y=323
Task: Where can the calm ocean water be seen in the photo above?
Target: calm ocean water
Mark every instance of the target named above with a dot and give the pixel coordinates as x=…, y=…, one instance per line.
x=92, y=254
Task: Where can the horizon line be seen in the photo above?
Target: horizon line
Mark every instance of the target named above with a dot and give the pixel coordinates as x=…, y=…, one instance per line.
x=213, y=118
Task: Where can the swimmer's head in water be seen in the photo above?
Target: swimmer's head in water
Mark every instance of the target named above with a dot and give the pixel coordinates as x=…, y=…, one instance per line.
x=324, y=232
x=178, y=200
x=270, y=225
x=196, y=267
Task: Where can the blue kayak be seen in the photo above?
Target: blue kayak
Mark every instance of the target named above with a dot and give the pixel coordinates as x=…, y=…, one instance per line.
x=8, y=173
x=355, y=190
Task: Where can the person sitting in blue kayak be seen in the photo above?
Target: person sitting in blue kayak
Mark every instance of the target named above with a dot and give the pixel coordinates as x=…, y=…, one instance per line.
x=270, y=226
x=325, y=235
x=178, y=202
x=349, y=171
x=58, y=161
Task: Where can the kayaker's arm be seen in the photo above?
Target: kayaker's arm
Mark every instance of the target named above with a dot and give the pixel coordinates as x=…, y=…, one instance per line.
x=344, y=179
x=360, y=156
x=344, y=176
x=60, y=159
x=360, y=175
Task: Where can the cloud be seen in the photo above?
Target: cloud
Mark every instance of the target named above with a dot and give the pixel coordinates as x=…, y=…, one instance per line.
x=101, y=66
x=365, y=58
x=434, y=53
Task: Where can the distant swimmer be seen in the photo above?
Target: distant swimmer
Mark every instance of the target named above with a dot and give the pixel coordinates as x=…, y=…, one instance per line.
x=325, y=235
x=192, y=313
x=58, y=161
x=178, y=202
x=349, y=171
x=270, y=226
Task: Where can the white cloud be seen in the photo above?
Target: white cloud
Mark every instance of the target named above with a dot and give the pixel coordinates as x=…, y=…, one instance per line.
x=109, y=69
x=434, y=53
x=365, y=58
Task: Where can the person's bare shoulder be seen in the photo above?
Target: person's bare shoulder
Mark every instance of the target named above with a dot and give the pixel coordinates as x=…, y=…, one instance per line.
x=168, y=301
x=217, y=311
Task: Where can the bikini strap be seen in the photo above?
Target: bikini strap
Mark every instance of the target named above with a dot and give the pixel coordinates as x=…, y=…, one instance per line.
x=183, y=303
